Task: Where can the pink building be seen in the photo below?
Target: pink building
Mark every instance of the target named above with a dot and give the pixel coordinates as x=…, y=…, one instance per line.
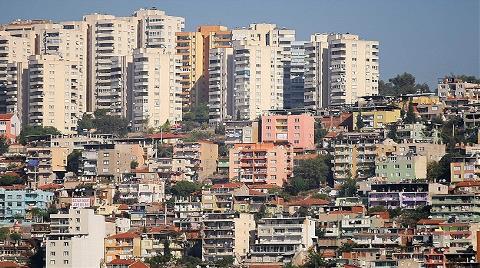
x=296, y=129
x=9, y=126
x=261, y=163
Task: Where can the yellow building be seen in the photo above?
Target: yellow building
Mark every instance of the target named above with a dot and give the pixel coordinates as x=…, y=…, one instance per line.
x=122, y=246
x=377, y=117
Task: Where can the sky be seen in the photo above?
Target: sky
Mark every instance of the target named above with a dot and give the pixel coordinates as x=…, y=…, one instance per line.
x=428, y=38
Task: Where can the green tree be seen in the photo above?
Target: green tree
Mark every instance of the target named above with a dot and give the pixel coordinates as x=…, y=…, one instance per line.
x=316, y=260
x=310, y=174
x=73, y=161
x=377, y=209
x=185, y=188
x=86, y=123
x=320, y=132
x=133, y=164
x=110, y=124
x=15, y=237
x=198, y=135
x=410, y=117
x=166, y=127
x=225, y=262
x=468, y=78
x=4, y=231
x=392, y=131
x=409, y=218
x=36, y=131
x=190, y=262
x=3, y=145
x=348, y=188
x=401, y=84
x=198, y=113
x=9, y=179
x=164, y=150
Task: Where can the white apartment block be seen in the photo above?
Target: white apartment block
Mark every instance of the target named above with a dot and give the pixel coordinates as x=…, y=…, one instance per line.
x=76, y=239
x=68, y=40
x=279, y=239
x=258, y=79
x=14, y=53
x=108, y=37
x=53, y=93
x=156, y=89
x=316, y=72
x=157, y=30
x=353, y=68
x=273, y=36
x=339, y=69
x=221, y=80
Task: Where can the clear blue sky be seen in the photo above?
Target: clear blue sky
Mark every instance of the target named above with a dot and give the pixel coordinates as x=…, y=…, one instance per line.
x=429, y=38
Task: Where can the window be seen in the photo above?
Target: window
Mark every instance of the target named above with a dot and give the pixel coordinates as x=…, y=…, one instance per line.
x=409, y=166
x=52, y=244
x=65, y=253
x=397, y=166
x=52, y=253
x=52, y=261
x=65, y=261
x=65, y=244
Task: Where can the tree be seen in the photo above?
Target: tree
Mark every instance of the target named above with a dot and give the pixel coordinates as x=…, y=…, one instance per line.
x=262, y=213
x=166, y=127
x=133, y=164
x=3, y=145
x=35, y=131
x=4, y=231
x=198, y=135
x=377, y=209
x=110, y=124
x=392, y=131
x=320, y=132
x=15, y=237
x=348, y=188
x=315, y=260
x=73, y=161
x=468, y=78
x=359, y=124
x=9, y=179
x=410, y=117
x=310, y=174
x=440, y=171
x=86, y=123
x=401, y=84
x=409, y=218
x=164, y=150
x=185, y=188
x=190, y=262
x=225, y=262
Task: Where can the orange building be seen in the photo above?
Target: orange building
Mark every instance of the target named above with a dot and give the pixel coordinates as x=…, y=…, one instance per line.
x=193, y=49
x=261, y=163
x=9, y=126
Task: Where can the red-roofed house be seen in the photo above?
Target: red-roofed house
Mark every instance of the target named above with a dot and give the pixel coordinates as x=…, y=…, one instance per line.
x=9, y=126
x=122, y=246
x=129, y=263
x=10, y=264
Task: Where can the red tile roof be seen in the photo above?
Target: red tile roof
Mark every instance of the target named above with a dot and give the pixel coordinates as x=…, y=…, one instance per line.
x=165, y=136
x=467, y=184
x=5, y=117
x=14, y=187
x=255, y=192
x=123, y=207
x=430, y=221
x=127, y=235
x=139, y=264
x=309, y=201
x=122, y=262
x=10, y=264
x=50, y=186
x=262, y=186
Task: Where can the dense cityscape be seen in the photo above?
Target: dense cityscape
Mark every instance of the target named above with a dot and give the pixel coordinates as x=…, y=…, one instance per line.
x=128, y=142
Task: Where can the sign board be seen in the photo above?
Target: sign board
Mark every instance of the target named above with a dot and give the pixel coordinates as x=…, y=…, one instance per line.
x=80, y=202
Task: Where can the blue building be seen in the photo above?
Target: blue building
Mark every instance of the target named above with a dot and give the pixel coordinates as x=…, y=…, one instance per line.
x=17, y=201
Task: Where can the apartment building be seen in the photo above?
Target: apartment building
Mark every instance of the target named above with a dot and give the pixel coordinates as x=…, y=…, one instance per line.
x=53, y=93
x=122, y=246
x=241, y=132
x=354, y=154
x=316, y=72
x=397, y=168
x=142, y=192
x=258, y=79
x=453, y=88
x=194, y=49
x=107, y=37
x=461, y=207
x=220, y=85
x=45, y=164
x=14, y=53
x=280, y=239
x=156, y=91
x=294, y=94
x=188, y=212
x=433, y=151
x=18, y=201
x=203, y=154
x=288, y=126
x=261, y=163
x=10, y=126
x=156, y=29
x=67, y=40
x=219, y=198
x=226, y=234
x=353, y=68
x=465, y=168
x=407, y=195
x=109, y=161
x=76, y=239
x=375, y=117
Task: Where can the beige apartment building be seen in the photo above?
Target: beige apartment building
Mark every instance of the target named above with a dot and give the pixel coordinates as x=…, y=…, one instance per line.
x=258, y=79
x=353, y=68
x=53, y=93
x=67, y=40
x=157, y=30
x=193, y=49
x=156, y=90
x=340, y=68
x=108, y=37
x=202, y=155
x=14, y=53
